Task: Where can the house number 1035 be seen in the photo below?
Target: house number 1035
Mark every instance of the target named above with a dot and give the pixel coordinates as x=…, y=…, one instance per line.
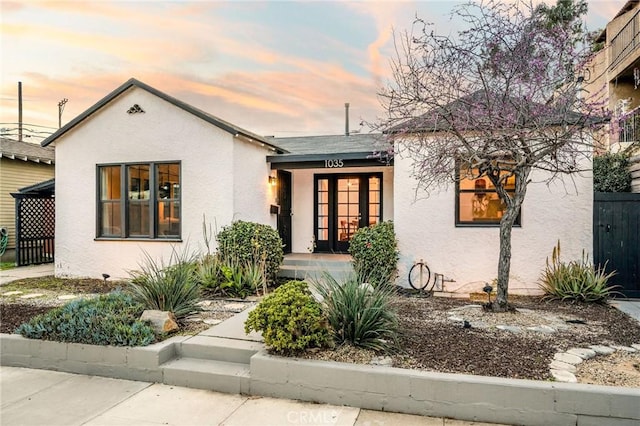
x=332, y=164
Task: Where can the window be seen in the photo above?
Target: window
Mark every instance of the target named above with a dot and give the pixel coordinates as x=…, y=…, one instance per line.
x=139, y=200
x=477, y=202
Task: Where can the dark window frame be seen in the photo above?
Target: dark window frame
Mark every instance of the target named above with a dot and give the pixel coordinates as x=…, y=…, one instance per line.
x=485, y=223
x=124, y=202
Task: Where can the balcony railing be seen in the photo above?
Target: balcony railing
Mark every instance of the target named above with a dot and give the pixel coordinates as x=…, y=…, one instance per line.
x=626, y=41
x=629, y=127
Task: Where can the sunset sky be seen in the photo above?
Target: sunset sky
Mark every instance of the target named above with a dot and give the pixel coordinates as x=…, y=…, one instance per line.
x=274, y=68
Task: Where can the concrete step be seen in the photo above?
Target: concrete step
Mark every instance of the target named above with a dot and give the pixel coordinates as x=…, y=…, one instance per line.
x=219, y=376
x=313, y=272
x=218, y=349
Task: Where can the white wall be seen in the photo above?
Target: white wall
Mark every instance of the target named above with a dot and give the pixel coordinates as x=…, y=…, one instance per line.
x=211, y=179
x=426, y=230
x=302, y=201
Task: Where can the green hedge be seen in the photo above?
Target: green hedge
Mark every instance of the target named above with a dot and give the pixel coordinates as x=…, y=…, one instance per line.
x=375, y=253
x=249, y=242
x=611, y=173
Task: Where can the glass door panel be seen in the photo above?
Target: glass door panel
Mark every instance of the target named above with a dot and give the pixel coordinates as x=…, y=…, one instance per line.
x=348, y=220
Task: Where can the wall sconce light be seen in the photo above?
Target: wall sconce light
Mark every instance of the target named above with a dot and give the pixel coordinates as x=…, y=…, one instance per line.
x=273, y=180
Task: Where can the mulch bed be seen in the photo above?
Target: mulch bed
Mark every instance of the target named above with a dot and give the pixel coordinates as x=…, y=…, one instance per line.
x=429, y=341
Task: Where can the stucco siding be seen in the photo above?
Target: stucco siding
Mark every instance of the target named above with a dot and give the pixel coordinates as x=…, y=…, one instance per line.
x=252, y=194
x=426, y=230
x=16, y=174
x=302, y=201
x=162, y=133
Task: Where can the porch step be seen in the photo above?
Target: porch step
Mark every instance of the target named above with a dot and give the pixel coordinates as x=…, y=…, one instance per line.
x=311, y=266
x=219, y=349
x=220, y=376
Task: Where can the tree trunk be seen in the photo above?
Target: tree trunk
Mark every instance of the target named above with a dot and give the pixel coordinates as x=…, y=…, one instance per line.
x=501, y=303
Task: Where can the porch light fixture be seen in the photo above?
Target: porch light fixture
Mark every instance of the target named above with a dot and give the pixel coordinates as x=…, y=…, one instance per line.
x=273, y=180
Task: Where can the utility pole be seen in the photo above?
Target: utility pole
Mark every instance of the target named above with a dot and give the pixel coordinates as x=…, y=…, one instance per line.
x=61, y=105
x=20, y=111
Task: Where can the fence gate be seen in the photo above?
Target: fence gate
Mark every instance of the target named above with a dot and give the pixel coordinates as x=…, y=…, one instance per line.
x=616, y=238
x=35, y=228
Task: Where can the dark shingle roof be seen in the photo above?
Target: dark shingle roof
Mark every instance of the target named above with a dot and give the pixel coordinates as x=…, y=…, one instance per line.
x=332, y=144
x=46, y=187
x=25, y=151
x=464, y=112
x=224, y=125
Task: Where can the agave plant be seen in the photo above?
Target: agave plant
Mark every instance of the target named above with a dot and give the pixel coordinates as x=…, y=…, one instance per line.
x=359, y=313
x=168, y=286
x=576, y=280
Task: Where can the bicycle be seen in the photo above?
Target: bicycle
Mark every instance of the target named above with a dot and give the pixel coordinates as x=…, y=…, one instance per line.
x=420, y=277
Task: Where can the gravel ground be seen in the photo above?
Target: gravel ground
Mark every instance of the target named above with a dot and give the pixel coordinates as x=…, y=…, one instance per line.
x=433, y=337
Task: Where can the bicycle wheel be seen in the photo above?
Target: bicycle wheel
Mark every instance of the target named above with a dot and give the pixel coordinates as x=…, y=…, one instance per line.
x=420, y=276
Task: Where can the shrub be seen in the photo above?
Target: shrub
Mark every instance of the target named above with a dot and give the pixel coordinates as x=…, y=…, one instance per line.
x=172, y=287
x=209, y=274
x=375, y=253
x=107, y=320
x=576, y=280
x=359, y=313
x=611, y=173
x=252, y=243
x=290, y=319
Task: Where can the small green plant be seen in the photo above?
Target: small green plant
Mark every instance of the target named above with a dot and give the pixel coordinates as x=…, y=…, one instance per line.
x=169, y=287
x=209, y=272
x=242, y=279
x=375, y=253
x=576, y=280
x=611, y=173
x=255, y=243
x=110, y=319
x=290, y=319
x=359, y=313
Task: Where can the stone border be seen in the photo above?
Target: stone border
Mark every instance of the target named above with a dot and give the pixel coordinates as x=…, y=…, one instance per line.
x=464, y=397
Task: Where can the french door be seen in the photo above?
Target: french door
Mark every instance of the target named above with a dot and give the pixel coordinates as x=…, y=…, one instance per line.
x=344, y=203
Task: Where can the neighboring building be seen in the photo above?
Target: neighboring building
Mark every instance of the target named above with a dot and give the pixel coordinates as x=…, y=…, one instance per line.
x=615, y=71
x=139, y=170
x=22, y=164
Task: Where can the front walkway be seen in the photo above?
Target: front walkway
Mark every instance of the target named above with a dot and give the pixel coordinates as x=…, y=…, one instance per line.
x=630, y=307
x=21, y=272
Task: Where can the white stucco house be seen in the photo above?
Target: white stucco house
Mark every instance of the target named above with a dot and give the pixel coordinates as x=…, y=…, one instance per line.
x=139, y=169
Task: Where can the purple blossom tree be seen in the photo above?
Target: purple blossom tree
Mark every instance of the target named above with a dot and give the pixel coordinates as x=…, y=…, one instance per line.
x=497, y=100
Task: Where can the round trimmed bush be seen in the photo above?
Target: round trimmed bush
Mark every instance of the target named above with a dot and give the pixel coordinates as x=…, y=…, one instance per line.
x=290, y=319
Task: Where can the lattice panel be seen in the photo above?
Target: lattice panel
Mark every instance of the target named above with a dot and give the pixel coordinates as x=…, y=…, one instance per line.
x=37, y=218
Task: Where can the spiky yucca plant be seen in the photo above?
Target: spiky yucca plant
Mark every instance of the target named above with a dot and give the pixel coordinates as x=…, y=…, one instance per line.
x=360, y=313
x=576, y=280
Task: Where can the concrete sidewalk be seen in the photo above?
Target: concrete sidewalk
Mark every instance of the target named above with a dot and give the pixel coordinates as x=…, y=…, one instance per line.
x=41, y=397
x=21, y=272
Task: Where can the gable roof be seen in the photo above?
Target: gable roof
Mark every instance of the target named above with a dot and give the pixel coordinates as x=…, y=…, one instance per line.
x=224, y=125
x=25, y=151
x=462, y=108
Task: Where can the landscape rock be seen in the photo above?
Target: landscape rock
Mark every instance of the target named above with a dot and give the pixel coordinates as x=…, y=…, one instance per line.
x=236, y=307
x=602, y=350
x=542, y=329
x=31, y=296
x=564, y=376
x=583, y=353
x=212, y=321
x=636, y=346
x=568, y=358
x=161, y=321
x=559, y=365
x=456, y=319
x=624, y=348
x=382, y=360
x=12, y=293
x=511, y=328
x=67, y=297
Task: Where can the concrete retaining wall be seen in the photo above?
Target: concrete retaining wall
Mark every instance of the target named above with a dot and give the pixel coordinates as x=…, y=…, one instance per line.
x=464, y=397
